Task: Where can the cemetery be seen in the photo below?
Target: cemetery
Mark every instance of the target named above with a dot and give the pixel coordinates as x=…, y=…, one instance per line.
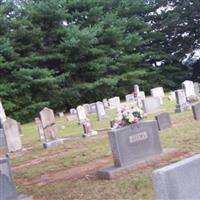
x=99, y=100
x=50, y=158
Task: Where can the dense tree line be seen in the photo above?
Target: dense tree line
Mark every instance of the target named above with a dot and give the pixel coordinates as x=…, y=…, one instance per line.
x=61, y=53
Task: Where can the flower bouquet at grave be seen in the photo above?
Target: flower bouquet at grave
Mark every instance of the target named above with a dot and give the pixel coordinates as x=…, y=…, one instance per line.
x=128, y=116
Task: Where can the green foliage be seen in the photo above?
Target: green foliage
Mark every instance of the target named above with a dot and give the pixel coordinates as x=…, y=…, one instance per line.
x=60, y=53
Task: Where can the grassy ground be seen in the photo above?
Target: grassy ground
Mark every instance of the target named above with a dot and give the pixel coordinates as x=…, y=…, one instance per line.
x=37, y=162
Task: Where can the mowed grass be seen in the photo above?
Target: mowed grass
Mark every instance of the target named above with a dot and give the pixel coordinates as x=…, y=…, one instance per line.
x=36, y=161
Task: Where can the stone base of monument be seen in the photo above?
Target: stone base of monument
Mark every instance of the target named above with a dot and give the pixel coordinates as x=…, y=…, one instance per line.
x=182, y=108
x=114, y=172
x=52, y=143
x=24, y=197
x=92, y=133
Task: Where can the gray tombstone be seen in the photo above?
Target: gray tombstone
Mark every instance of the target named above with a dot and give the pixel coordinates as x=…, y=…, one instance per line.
x=196, y=87
x=196, y=111
x=8, y=188
x=48, y=124
x=101, y=114
x=178, y=181
x=151, y=104
x=132, y=144
x=3, y=143
x=39, y=128
x=181, y=101
x=12, y=133
x=163, y=120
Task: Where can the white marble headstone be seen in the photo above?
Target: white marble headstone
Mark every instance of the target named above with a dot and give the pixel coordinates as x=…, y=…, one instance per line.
x=158, y=92
x=81, y=114
x=101, y=114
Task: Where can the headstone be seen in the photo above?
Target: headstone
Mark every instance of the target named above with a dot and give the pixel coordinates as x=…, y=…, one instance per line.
x=117, y=104
x=181, y=102
x=48, y=124
x=73, y=111
x=132, y=144
x=81, y=114
x=136, y=90
x=111, y=102
x=163, y=120
x=12, y=133
x=8, y=188
x=151, y=104
x=105, y=103
x=172, y=96
x=2, y=113
x=101, y=114
x=39, y=128
x=87, y=108
x=196, y=111
x=92, y=107
x=178, y=181
x=61, y=114
x=129, y=98
x=196, y=87
x=158, y=92
x=88, y=130
x=3, y=143
x=188, y=87
x=142, y=95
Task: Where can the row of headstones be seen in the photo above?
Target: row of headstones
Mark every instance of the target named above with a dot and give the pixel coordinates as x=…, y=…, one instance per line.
x=7, y=183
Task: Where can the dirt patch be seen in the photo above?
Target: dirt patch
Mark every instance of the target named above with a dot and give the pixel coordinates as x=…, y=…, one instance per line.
x=88, y=170
x=85, y=170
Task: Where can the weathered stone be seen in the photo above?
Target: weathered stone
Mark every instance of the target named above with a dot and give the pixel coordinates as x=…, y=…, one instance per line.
x=101, y=114
x=172, y=96
x=39, y=128
x=12, y=133
x=88, y=130
x=188, y=87
x=48, y=124
x=92, y=107
x=53, y=143
x=196, y=87
x=158, y=92
x=136, y=90
x=196, y=111
x=151, y=104
x=181, y=102
x=163, y=120
x=81, y=114
x=105, y=103
x=142, y=95
x=178, y=181
x=3, y=143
